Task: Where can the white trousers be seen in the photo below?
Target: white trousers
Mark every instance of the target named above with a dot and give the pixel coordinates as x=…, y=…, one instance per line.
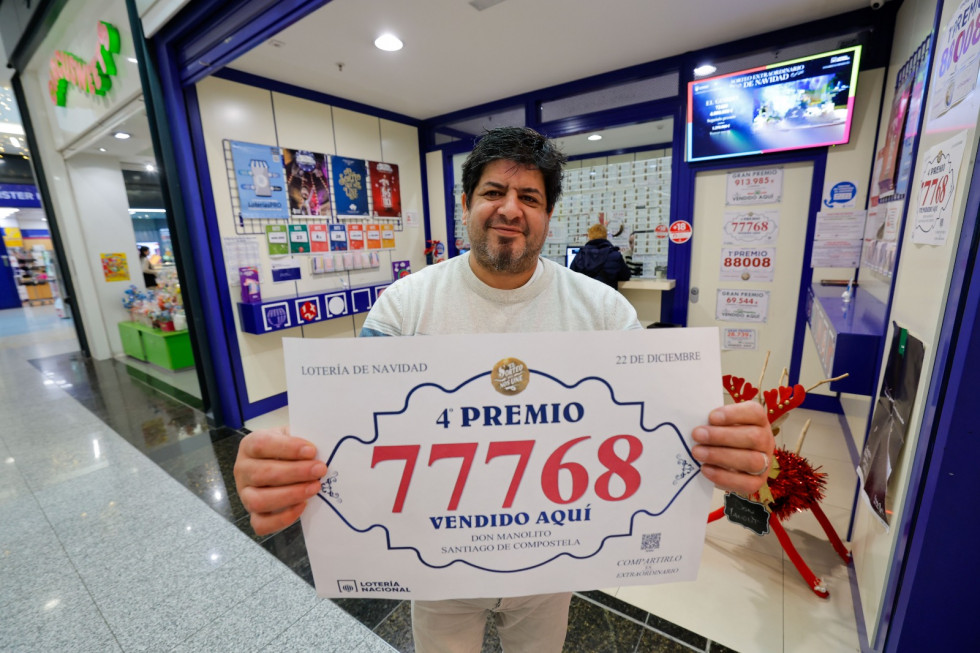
x=525, y=624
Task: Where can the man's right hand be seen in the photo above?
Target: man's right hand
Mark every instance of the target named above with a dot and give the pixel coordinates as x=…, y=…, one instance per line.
x=275, y=474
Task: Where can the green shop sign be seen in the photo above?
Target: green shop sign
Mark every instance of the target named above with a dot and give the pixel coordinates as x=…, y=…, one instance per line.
x=93, y=77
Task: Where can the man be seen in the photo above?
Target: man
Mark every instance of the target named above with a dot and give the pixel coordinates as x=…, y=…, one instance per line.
x=600, y=259
x=511, y=182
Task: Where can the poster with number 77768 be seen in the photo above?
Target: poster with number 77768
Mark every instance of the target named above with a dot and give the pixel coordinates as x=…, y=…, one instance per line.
x=504, y=464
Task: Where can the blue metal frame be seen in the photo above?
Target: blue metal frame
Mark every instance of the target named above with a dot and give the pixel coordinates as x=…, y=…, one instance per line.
x=187, y=49
x=182, y=103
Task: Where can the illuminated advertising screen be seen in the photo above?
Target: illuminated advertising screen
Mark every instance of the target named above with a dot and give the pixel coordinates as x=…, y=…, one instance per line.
x=806, y=102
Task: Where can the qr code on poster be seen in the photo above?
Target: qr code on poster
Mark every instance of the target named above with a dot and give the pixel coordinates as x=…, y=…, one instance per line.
x=651, y=542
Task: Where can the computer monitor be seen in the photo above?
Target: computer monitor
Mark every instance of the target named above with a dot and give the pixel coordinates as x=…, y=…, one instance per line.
x=570, y=253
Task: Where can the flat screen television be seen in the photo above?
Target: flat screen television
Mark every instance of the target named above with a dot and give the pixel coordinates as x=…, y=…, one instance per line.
x=570, y=253
x=796, y=104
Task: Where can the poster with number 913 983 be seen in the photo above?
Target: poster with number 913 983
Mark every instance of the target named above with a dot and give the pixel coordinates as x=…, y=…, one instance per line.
x=504, y=464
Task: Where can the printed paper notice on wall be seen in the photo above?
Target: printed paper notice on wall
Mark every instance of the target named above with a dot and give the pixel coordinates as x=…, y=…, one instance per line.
x=837, y=239
x=757, y=186
x=349, y=185
x=750, y=227
x=286, y=270
x=373, y=233
x=954, y=77
x=747, y=264
x=338, y=238
x=240, y=252
x=115, y=267
x=319, y=241
x=259, y=180
x=836, y=254
x=355, y=236
x=277, y=238
x=840, y=225
x=385, y=190
x=307, y=182
x=733, y=339
x=937, y=191
x=841, y=196
x=742, y=305
x=387, y=236
x=400, y=269
x=299, y=239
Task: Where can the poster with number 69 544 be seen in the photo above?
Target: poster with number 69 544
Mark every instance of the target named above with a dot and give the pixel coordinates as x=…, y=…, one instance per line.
x=503, y=464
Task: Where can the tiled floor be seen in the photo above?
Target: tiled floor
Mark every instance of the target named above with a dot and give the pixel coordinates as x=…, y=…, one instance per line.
x=108, y=542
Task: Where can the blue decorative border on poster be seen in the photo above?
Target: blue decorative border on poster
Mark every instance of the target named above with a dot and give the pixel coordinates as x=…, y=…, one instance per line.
x=690, y=469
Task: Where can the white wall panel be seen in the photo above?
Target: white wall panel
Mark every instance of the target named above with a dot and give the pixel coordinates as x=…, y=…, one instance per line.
x=921, y=286
x=106, y=228
x=242, y=113
x=775, y=335
x=237, y=112
x=436, y=189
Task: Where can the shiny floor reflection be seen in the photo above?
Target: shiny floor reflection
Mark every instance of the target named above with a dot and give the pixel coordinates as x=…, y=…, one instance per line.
x=168, y=427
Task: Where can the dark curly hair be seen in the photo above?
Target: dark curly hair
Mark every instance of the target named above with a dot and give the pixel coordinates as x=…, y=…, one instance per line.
x=522, y=145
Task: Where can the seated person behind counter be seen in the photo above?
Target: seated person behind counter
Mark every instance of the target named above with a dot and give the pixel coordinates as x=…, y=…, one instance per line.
x=600, y=259
x=511, y=182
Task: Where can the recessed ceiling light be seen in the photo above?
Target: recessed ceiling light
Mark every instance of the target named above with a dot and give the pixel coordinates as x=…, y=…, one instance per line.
x=122, y=135
x=388, y=42
x=14, y=141
x=150, y=167
x=595, y=137
x=102, y=149
x=704, y=69
x=131, y=60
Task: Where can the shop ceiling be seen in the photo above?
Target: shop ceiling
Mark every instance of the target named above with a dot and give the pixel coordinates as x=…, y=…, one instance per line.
x=464, y=53
x=458, y=56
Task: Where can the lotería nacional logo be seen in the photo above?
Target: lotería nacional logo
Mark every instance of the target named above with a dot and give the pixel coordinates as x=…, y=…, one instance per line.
x=382, y=586
x=510, y=376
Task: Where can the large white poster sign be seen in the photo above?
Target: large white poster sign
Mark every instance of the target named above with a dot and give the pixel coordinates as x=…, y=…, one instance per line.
x=500, y=465
x=750, y=227
x=937, y=188
x=748, y=263
x=756, y=186
x=954, y=76
x=742, y=305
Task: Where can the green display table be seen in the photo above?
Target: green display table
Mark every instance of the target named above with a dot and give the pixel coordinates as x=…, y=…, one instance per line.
x=168, y=349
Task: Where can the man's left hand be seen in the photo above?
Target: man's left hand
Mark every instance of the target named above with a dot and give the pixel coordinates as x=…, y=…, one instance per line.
x=735, y=447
